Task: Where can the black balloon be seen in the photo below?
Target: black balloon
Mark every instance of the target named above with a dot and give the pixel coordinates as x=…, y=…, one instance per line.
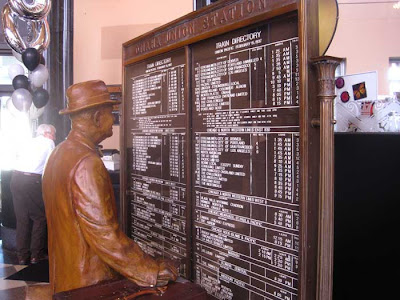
x=31, y=58
x=40, y=97
x=20, y=82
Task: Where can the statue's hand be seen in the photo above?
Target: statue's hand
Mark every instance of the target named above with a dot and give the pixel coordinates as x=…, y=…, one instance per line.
x=167, y=272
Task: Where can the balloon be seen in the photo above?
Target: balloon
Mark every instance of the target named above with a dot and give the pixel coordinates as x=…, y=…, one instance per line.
x=36, y=10
x=22, y=99
x=41, y=31
x=31, y=58
x=11, y=34
x=17, y=55
x=39, y=76
x=40, y=97
x=15, y=70
x=35, y=112
x=20, y=82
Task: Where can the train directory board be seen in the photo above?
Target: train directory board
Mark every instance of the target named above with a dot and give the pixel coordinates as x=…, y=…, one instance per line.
x=156, y=144
x=246, y=158
x=219, y=165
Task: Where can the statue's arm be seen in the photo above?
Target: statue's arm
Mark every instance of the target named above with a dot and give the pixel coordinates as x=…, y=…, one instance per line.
x=94, y=204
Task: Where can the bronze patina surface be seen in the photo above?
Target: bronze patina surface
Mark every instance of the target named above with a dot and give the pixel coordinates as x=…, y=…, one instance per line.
x=86, y=244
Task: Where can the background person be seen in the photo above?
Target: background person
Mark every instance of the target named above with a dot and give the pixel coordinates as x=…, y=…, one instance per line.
x=26, y=189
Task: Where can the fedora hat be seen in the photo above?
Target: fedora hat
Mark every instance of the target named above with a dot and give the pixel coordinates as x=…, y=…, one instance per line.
x=86, y=95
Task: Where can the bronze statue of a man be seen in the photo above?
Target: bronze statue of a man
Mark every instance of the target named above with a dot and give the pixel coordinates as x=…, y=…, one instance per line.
x=86, y=244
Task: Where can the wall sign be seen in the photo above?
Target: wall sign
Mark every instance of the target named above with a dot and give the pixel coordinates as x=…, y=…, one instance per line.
x=156, y=146
x=217, y=144
x=245, y=95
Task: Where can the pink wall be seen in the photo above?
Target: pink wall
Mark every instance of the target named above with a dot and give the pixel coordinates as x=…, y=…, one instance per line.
x=367, y=35
x=100, y=28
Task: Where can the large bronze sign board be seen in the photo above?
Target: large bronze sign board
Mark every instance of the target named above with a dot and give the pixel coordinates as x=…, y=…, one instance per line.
x=214, y=149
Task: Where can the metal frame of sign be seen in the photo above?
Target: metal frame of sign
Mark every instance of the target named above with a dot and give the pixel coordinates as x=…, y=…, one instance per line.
x=316, y=180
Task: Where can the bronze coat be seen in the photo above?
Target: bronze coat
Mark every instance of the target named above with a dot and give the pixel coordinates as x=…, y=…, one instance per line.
x=86, y=244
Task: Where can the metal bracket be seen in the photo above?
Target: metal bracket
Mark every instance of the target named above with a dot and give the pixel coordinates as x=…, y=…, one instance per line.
x=315, y=123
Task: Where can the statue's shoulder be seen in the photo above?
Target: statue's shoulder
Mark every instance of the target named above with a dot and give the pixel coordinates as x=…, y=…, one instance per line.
x=70, y=153
x=75, y=146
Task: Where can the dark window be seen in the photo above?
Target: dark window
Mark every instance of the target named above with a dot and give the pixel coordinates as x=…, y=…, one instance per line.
x=201, y=3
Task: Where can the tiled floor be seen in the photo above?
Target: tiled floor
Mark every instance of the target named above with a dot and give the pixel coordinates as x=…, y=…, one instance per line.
x=11, y=289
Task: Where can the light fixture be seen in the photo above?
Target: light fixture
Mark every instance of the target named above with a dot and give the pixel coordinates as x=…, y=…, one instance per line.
x=396, y=5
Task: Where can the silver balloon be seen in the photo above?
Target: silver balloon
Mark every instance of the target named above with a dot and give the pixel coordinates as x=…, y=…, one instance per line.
x=22, y=99
x=36, y=10
x=39, y=76
x=15, y=70
x=41, y=31
x=17, y=55
x=13, y=38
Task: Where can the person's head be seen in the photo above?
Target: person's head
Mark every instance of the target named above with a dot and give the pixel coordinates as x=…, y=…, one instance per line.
x=90, y=109
x=46, y=130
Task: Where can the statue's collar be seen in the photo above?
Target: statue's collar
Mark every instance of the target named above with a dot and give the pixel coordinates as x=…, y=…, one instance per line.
x=78, y=137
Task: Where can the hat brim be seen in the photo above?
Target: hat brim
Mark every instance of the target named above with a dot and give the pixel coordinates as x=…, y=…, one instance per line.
x=66, y=111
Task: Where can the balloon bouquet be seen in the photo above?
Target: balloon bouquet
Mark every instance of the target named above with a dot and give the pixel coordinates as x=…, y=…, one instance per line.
x=28, y=89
